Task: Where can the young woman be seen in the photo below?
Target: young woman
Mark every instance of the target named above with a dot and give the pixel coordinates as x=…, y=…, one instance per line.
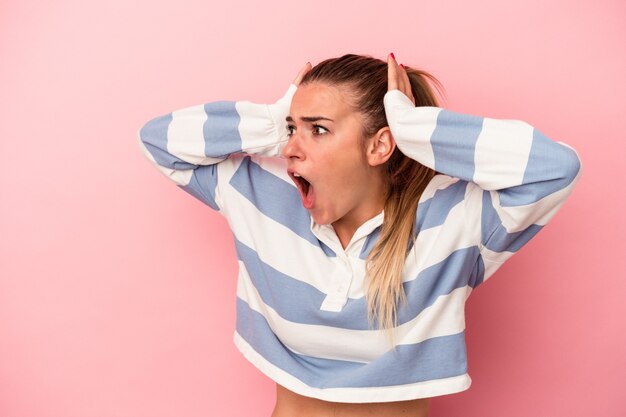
x=363, y=216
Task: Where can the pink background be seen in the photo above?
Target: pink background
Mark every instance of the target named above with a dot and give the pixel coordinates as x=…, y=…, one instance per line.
x=117, y=290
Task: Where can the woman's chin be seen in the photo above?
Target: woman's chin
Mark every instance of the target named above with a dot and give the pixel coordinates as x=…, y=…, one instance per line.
x=327, y=221
x=319, y=218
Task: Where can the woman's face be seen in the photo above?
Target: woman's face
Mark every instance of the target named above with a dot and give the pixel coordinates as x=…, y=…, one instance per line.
x=324, y=149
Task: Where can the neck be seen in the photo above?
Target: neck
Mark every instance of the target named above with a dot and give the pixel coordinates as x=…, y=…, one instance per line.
x=369, y=208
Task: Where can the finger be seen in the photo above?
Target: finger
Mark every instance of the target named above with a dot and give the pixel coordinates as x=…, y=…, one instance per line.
x=406, y=84
x=401, y=80
x=307, y=67
x=392, y=73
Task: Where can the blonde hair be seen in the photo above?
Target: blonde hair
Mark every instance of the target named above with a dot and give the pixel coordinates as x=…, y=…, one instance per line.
x=366, y=81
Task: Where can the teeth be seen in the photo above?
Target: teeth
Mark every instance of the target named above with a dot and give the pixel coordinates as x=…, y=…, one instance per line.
x=295, y=174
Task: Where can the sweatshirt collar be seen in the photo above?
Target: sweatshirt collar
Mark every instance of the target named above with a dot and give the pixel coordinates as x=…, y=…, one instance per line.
x=326, y=233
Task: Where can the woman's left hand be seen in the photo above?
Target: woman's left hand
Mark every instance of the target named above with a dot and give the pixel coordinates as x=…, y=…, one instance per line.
x=398, y=79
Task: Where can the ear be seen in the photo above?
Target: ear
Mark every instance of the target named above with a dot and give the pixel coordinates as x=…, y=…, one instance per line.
x=380, y=147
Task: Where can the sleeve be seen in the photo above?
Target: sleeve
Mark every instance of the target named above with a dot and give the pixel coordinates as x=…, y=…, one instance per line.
x=189, y=145
x=517, y=177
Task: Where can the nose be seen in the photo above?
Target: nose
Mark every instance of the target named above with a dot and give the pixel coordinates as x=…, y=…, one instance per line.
x=292, y=148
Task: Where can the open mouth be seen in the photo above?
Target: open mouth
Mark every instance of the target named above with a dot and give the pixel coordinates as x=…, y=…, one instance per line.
x=305, y=188
x=303, y=183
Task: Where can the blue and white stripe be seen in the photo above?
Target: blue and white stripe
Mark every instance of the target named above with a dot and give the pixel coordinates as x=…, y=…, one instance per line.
x=301, y=307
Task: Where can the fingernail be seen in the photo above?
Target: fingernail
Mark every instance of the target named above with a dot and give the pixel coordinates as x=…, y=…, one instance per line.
x=393, y=56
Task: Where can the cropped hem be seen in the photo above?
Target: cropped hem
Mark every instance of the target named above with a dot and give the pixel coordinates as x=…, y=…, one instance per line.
x=424, y=389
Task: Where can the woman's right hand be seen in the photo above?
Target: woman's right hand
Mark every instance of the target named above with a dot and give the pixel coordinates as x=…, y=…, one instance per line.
x=307, y=67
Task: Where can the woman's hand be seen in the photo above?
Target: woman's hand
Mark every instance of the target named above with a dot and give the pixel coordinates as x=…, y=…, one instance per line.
x=307, y=67
x=398, y=79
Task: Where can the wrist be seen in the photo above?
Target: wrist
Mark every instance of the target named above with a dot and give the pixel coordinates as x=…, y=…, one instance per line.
x=280, y=110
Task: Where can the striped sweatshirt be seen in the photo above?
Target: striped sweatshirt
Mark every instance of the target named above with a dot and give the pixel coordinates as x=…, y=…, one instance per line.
x=300, y=303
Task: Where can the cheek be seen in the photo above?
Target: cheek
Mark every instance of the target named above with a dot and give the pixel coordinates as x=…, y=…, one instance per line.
x=343, y=175
x=340, y=167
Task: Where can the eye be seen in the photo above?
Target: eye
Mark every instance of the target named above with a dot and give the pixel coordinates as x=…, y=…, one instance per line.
x=321, y=127
x=289, y=132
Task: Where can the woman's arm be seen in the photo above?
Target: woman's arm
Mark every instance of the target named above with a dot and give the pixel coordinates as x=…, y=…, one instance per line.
x=188, y=145
x=518, y=176
x=509, y=157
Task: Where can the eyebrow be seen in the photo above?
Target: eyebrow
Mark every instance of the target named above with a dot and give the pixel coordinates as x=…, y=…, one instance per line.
x=309, y=119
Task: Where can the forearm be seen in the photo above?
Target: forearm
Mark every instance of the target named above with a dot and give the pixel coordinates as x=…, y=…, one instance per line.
x=187, y=145
x=208, y=133
x=494, y=154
